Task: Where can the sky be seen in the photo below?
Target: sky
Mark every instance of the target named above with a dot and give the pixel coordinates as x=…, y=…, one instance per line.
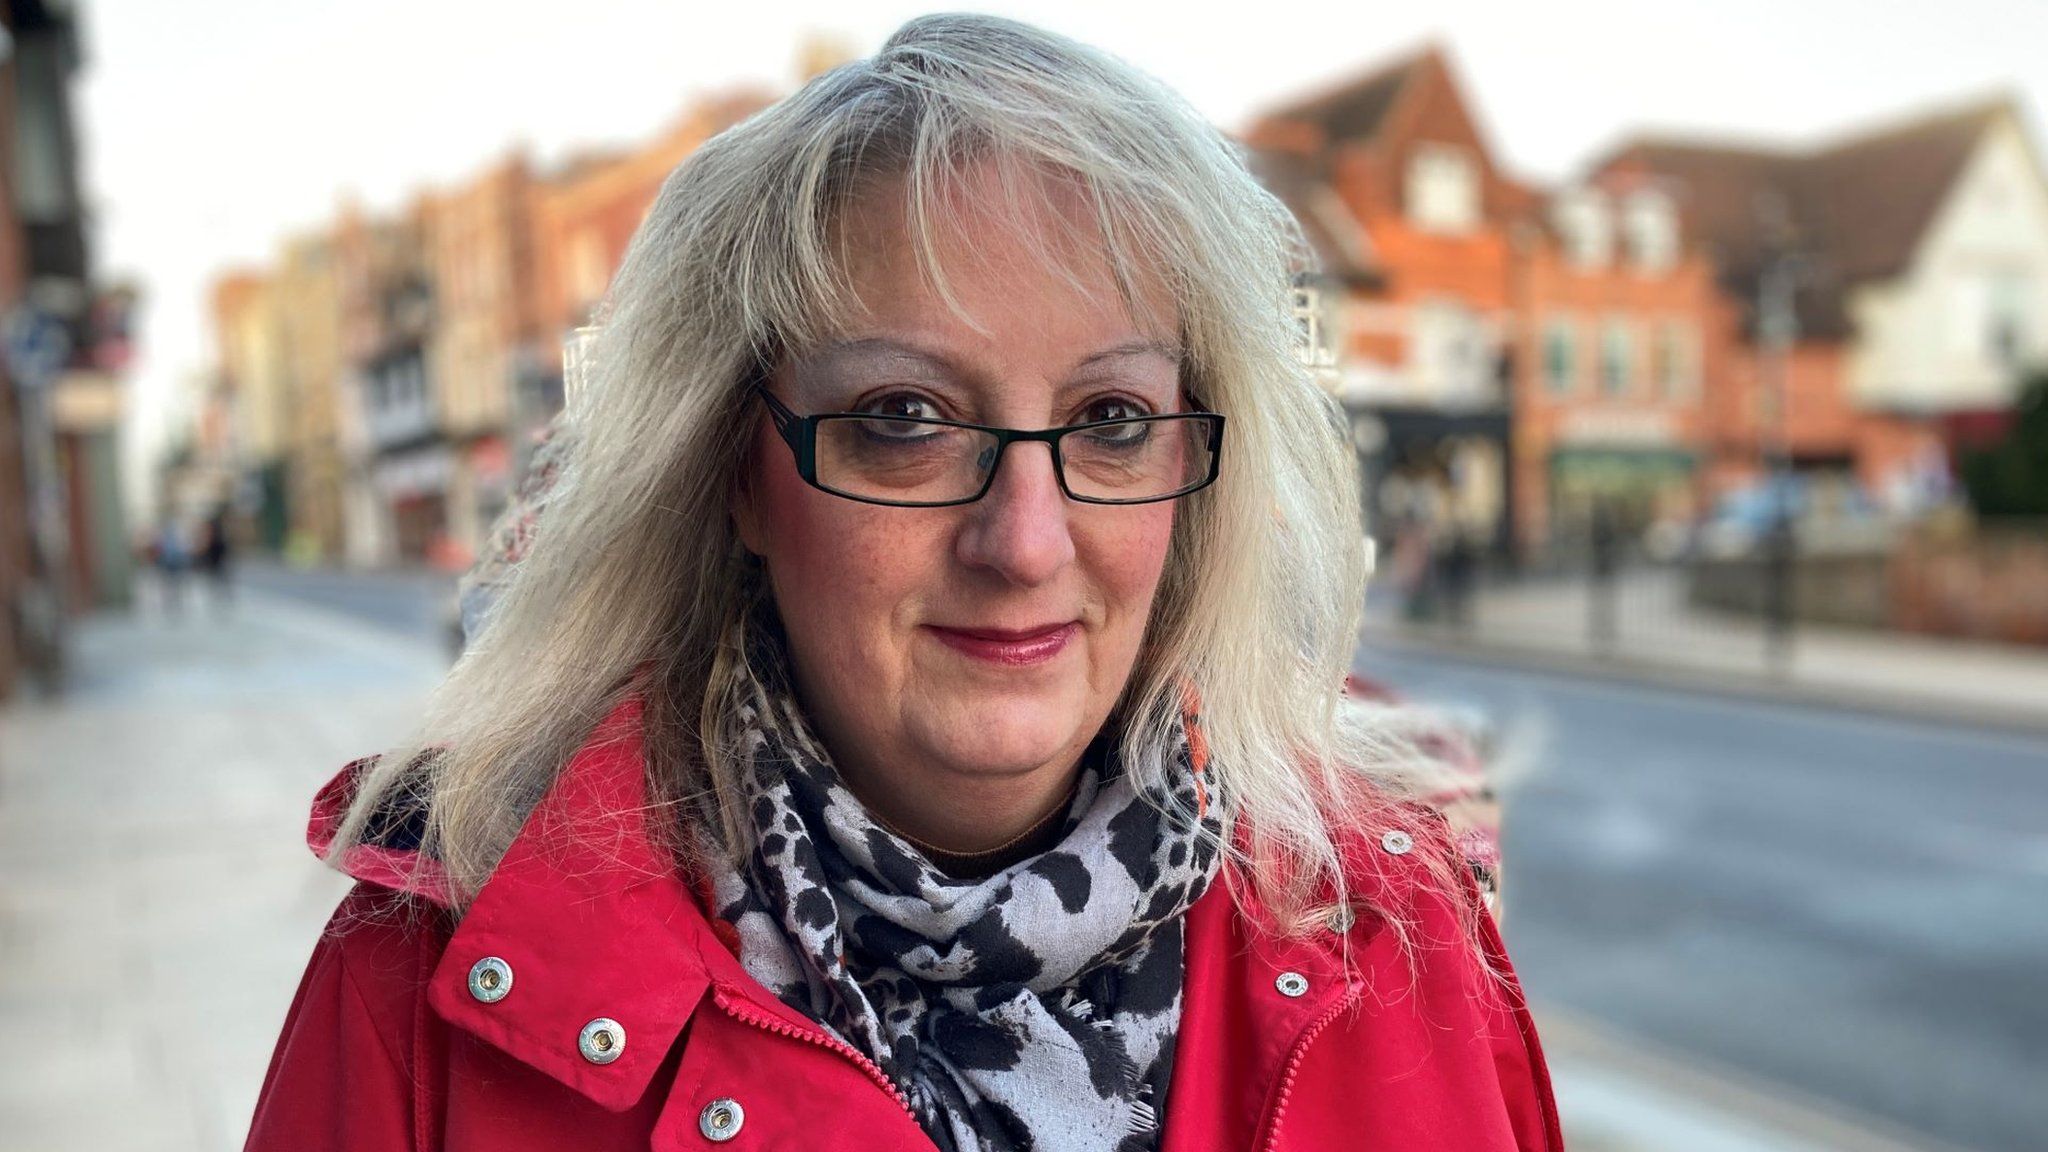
x=214, y=129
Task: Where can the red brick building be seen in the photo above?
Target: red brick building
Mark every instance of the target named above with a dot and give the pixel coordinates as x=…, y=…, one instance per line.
x=1915, y=260
x=586, y=214
x=1521, y=353
x=1620, y=343
x=1423, y=330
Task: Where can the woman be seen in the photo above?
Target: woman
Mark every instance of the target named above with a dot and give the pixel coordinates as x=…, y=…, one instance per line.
x=909, y=726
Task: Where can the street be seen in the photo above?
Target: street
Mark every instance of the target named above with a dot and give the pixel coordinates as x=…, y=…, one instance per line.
x=1846, y=907
x=1838, y=915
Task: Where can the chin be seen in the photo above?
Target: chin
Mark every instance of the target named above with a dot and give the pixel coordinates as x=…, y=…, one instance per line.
x=996, y=735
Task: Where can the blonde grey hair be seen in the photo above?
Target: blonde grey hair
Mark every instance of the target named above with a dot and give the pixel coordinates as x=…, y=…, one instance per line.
x=635, y=569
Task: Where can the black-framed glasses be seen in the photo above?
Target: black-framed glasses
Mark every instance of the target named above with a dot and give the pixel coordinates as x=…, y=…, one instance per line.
x=918, y=462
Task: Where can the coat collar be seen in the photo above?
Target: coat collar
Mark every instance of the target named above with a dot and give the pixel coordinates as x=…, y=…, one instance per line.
x=586, y=910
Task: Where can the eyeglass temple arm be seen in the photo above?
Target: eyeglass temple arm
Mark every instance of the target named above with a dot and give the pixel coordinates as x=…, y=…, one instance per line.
x=785, y=419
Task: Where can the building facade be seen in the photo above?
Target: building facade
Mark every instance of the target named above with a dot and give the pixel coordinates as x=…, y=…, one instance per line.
x=308, y=287
x=483, y=349
x=249, y=352
x=1882, y=287
x=1423, y=346
x=1619, y=329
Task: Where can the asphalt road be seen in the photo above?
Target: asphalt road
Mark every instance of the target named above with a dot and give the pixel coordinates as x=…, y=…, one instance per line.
x=419, y=605
x=1846, y=908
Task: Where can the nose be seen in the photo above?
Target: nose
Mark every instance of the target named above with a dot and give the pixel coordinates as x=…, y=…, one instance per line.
x=1019, y=529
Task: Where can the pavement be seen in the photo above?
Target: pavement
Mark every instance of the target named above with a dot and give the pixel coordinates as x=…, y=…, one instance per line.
x=157, y=902
x=1660, y=639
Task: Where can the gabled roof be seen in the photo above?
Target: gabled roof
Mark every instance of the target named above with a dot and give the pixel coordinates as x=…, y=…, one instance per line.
x=1856, y=209
x=1355, y=109
x=1341, y=247
x=1873, y=197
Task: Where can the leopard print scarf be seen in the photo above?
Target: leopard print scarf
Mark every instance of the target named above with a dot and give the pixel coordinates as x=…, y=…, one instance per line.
x=1032, y=1009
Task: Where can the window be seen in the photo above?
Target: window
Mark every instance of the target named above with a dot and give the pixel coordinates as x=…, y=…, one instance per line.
x=1561, y=356
x=1584, y=223
x=588, y=274
x=1652, y=228
x=1443, y=189
x=1674, y=360
x=2006, y=337
x=1615, y=354
x=1451, y=354
x=1318, y=346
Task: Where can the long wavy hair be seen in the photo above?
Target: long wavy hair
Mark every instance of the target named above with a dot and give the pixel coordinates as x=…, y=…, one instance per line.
x=636, y=581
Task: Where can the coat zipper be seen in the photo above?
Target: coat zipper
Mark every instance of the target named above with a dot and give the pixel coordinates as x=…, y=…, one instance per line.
x=1293, y=1066
x=744, y=1012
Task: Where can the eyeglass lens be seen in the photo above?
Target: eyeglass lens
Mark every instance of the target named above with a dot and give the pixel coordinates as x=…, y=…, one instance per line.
x=914, y=462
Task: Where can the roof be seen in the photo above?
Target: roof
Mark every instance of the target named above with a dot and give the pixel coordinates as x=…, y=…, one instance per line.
x=1342, y=249
x=1873, y=197
x=1355, y=109
x=1292, y=150
x=1856, y=209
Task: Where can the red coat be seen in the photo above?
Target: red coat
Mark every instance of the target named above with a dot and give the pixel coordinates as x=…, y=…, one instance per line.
x=387, y=1046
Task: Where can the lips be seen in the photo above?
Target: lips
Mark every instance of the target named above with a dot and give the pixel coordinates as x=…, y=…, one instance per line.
x=1007, y=646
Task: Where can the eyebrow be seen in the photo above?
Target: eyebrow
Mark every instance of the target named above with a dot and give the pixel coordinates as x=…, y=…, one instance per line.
x=871, y=345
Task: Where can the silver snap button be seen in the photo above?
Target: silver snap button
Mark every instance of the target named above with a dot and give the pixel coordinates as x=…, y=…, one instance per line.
x=490, y=979
x=603, y=1040
x=721, y=1119
x=1397, y=842
x=1292, y=984
x=1342, y=919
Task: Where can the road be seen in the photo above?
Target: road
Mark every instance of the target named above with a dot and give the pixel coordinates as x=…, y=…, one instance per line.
x=1844, y=907
x=418, y=605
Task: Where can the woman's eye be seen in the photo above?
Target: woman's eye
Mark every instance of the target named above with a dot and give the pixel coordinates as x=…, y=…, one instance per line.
x=901, y=404
x=1111, y=409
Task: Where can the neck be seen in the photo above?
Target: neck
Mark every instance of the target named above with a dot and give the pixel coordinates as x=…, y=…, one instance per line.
x=964, y=827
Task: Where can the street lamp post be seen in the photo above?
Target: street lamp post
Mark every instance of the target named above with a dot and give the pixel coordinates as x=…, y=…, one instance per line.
x=1777, y=332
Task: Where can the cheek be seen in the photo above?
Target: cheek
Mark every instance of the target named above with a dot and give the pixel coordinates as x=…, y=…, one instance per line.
x=1127, y=552
x=837, y=566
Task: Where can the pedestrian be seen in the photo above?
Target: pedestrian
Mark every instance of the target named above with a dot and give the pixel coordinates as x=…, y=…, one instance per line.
x=908, y=725
x=214, y=556
x=173, y=557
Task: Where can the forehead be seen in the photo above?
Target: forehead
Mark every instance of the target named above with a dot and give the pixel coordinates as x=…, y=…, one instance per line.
x=988, y=255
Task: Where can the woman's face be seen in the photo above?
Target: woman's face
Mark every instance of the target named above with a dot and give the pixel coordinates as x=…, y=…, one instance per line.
x=982, y=644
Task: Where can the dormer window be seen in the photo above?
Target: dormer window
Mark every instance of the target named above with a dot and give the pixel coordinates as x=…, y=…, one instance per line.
x=1443, y=189
x=1651, y=224
x=1585, y=224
